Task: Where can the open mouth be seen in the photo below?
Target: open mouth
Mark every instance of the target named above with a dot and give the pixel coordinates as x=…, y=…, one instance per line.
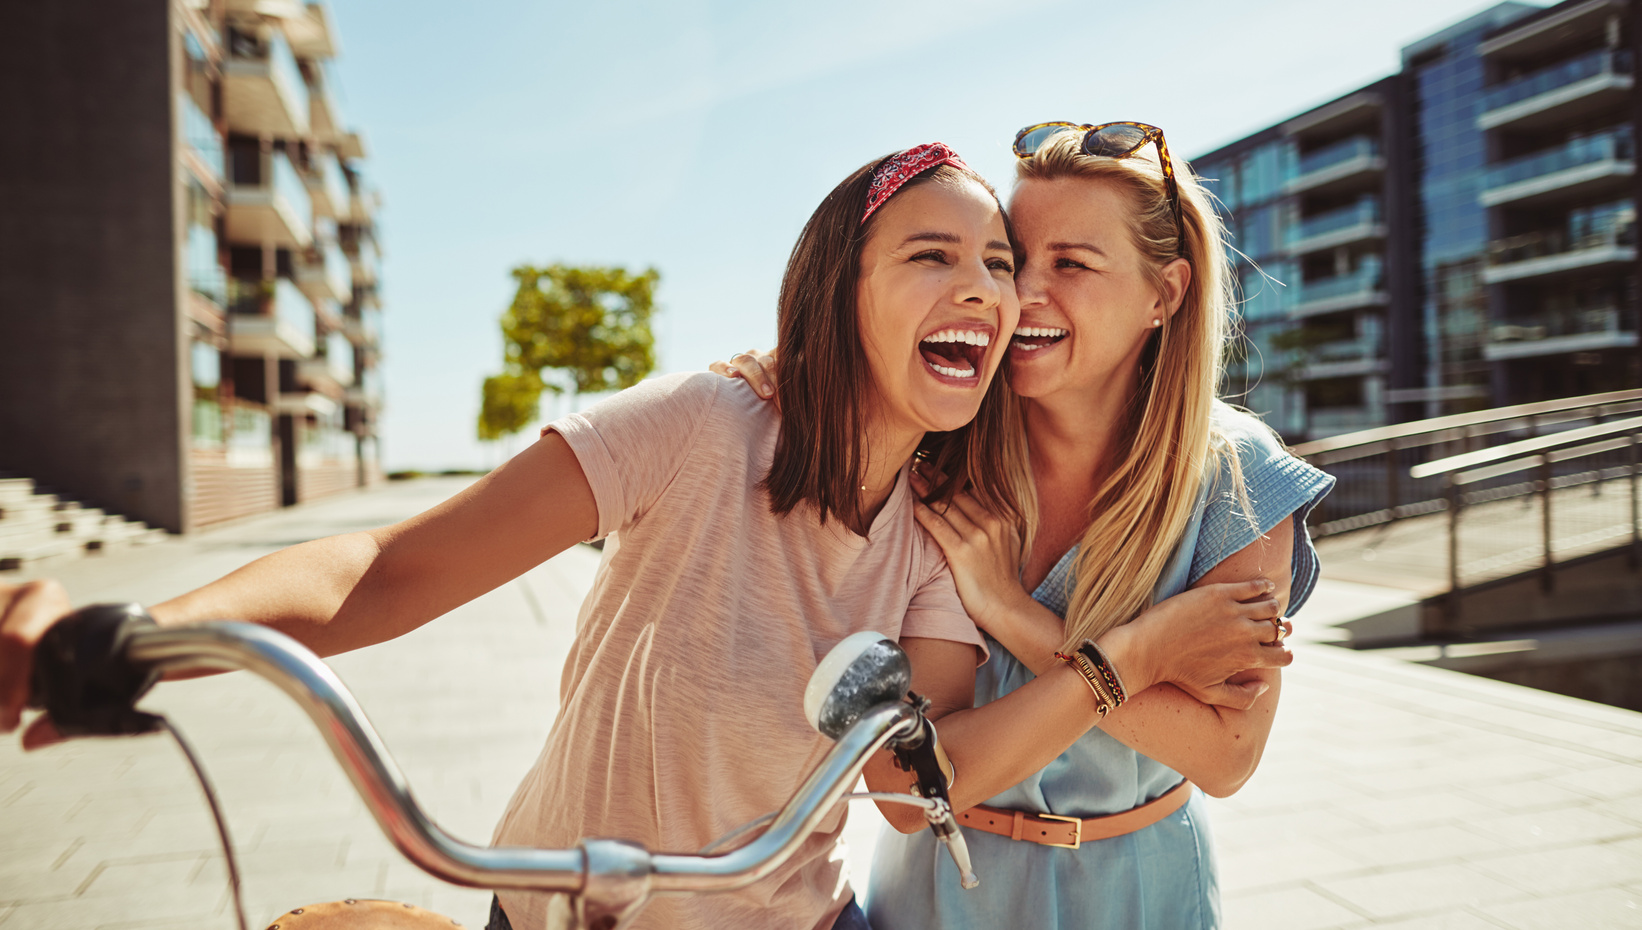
x=1034, y=338
x=955, y=353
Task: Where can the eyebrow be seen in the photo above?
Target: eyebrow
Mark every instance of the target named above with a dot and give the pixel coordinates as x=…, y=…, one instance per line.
x=994, y=245
x=1063, y=246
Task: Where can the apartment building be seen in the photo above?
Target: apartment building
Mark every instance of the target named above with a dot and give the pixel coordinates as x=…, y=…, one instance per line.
x=1455, y=236
x=189, y=310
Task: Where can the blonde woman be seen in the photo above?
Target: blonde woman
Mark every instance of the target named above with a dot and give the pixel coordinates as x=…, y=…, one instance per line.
x=1145, y=486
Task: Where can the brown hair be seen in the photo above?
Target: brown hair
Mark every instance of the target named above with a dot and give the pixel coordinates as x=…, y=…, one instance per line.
x=1170, y=442
x=826, y=380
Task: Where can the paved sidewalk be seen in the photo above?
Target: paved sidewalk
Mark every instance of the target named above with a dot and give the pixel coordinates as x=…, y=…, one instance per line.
x=115, y=834
x=1391, y=794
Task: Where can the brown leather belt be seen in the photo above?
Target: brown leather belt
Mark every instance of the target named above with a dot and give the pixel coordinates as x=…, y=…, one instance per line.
x=1072, y=832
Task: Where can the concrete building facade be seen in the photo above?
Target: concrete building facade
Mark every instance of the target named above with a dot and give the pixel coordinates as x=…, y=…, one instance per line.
x=189, y=310
x=1459, y=235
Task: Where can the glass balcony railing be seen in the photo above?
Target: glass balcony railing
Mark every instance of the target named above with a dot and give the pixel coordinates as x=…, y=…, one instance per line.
x=292, y=308
x=1546, y=242
x=288, y=183
x=287, y=75
x=1551, y=323
x=336, y=186
x=1364, y=212
x=1328, y=421
x=1612, y=145
x=1360, y=349
x=199, y=133
x=1557, y=76
x=1338, y=154
x=205, y=274
x=1366, y=279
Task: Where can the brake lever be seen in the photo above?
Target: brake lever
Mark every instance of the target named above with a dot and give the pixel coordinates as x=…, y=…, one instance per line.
x=921, y=754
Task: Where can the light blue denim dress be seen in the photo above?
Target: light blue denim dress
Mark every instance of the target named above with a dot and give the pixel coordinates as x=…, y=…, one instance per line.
x=1159, y=877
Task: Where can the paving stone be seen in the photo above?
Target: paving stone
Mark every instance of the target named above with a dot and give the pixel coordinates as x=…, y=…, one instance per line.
x=1607, y=909
x=1288, y=909
x=1448, y=920
x=1554, y=827
x=1443, y=842
x=1426, y=888
x=1576, y=868
x=1605, y=782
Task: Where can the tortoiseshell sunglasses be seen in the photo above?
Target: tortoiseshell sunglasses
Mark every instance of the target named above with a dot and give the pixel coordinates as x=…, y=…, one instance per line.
x=1112, y=140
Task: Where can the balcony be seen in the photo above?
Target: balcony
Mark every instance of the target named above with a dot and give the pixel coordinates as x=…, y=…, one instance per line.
x=364, y=260
x=323, y=274
x=1558, y=332
x=332, y=369
x=1343, y=359
x=263, y=90
x=1585, y=167
x=1561, y=94
x=363, y=329
x=1331, y=421
x=327, y=188
x=204, y=265
x=1551, y=252
x=324, y=114
x=200, y=135
x=312, y=34
x=273, y=208
x=1359, y=222
x=1340, y=166
x=269, y=319
x=1362, y=288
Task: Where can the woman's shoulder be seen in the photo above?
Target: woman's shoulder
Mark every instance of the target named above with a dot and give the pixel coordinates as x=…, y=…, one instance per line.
x=687, y=399
x=1255, y=471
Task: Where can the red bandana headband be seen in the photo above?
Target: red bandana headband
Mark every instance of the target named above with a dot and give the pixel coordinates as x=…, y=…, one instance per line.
x=899, y=169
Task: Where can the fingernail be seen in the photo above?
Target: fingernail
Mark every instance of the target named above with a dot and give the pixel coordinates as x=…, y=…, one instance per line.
x=1271, y=585
x=766, y=390
x=730, y=370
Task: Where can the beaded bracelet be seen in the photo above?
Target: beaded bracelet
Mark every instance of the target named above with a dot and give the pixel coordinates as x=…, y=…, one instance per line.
x=1090, y=662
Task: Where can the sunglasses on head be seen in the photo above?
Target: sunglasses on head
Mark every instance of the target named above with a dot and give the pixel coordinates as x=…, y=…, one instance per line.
x=1111, y=140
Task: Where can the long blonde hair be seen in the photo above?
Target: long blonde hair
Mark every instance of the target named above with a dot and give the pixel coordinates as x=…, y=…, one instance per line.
x=1140, y=511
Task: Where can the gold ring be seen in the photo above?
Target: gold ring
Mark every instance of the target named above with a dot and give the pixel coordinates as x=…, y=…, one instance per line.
x=1277, y=624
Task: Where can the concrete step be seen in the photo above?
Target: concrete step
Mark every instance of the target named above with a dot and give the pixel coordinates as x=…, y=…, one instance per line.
x=37, y=525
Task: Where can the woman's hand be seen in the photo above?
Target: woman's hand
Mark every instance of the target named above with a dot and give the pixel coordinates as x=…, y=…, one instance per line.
x=755, y=367
x=26, y=612
x=1200, y=639
x=983, y=552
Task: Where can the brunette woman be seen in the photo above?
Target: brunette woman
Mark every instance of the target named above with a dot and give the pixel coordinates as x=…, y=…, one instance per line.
x=1145, y=486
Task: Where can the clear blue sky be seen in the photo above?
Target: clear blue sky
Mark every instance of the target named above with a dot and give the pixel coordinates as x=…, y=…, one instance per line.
x=697, y=137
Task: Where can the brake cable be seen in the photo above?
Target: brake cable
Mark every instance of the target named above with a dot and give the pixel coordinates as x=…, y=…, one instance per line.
x=216, y=814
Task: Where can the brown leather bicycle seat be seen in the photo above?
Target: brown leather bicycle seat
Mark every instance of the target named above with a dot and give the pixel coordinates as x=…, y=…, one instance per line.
x=360, y=914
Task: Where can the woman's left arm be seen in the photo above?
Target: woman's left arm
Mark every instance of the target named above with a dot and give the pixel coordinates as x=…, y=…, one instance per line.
x=1218, y=748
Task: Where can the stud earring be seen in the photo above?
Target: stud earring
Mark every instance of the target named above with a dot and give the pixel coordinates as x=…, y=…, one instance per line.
x=1157, y=322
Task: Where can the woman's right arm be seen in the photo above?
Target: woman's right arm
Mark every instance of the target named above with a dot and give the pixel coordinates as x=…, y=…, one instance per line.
x=353, y=590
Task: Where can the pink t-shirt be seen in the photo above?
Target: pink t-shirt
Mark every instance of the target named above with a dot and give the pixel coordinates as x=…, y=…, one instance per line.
x=681, y=712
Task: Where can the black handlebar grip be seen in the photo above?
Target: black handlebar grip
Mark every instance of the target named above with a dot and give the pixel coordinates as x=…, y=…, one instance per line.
x=83, y=678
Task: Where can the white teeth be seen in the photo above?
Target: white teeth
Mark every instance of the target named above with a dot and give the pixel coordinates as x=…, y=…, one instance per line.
x=966, y=336
x=1041, y=332
x=953, y=372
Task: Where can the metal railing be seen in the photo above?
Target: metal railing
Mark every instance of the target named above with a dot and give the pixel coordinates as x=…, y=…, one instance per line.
x=1546, y=242
x=1567, y=476
x=1365, y=212
x=1613, y=145
x=1367, y=279
x=1557, y=76
x=1549, y=323
x=1374, y=467
x=1338, y=154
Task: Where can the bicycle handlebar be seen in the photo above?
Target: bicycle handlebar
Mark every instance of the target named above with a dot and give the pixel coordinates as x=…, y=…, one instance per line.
x=226, y=645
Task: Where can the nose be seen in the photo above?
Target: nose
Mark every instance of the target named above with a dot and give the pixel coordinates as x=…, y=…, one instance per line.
x=1029, y=287
x=977, y=286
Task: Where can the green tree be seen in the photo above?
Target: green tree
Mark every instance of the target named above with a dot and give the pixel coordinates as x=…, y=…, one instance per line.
x=570, y=330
